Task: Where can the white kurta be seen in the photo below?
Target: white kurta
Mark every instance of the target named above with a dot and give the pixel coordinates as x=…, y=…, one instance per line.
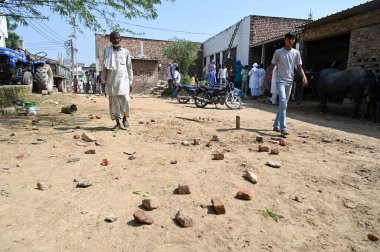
x=118, y=75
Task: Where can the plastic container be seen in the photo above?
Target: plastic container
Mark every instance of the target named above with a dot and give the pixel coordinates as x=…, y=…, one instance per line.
x=31, y=108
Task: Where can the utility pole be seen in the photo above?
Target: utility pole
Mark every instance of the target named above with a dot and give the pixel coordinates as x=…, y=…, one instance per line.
x=72, y=58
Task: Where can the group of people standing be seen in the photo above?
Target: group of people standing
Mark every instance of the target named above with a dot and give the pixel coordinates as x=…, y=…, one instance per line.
x=117, y=76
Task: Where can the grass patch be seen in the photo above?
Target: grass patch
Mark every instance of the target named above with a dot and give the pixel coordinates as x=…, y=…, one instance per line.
x=271, y=214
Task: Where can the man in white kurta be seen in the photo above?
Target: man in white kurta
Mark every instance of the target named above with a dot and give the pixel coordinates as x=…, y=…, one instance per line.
x=118, y=75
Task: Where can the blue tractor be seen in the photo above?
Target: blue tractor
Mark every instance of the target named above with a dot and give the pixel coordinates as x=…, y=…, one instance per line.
x=16, y=67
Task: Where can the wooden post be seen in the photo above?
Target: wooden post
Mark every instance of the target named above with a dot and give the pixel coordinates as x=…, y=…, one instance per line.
x=237, y=122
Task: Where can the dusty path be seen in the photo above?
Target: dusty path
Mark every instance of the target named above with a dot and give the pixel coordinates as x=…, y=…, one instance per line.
x=327, y=193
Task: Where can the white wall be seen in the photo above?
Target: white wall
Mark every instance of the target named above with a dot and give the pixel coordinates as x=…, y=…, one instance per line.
x=3, y=30
x=220, y=42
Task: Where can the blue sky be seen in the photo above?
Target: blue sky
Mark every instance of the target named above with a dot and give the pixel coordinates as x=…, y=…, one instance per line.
x=199, y=19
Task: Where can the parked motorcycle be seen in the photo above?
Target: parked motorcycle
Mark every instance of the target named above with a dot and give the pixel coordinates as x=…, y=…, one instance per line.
x=184, y=92
x=217, y=94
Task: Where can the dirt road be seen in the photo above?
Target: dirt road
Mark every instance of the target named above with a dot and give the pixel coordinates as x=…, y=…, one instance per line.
x=325, y=195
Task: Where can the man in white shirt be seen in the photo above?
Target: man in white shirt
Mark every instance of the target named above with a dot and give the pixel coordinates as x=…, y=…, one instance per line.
x=286, y=59
x=118, y=76
x=223, y=74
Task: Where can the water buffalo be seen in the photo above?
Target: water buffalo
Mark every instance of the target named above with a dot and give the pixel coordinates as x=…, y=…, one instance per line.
x=373, y=101
x=339, y=84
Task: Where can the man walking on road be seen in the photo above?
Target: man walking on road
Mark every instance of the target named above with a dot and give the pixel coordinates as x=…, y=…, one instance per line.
x=286, y=59
x=118, y=76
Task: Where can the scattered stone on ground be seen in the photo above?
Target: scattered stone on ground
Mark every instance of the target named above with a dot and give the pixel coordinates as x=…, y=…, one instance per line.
x=184, y=219
x=98, y=117
x=203, y=206
x=151, y=203
x=244, y=194
x=90, y=151
x=218, y=156
x=111, y=218
x=20, y=156
x=129, y=152
x=274, y=151
x=12, y=134
x=184, y=189
x=326, y=140
x=42, y=186
x=218, y=206
x=104, y=162
x=142, y=217
x=263, y=149
x=185, y=143
x=208, y=144
x=273, y=141
x=173, y=162
x=77, y=127
x=88, y=137
x=6, y=168
x=349, y=204
x=276, y=138
x=152, y=120
x=98, y=143
x=141, y=122
x=73, y=159
x=215, y=138
x=76, y=136
x=83, y=183
x=259, y=138
x=197, y=141
x=372, y=237
x=81, y=144
x=132, y=157
x=273, y=164
x=251, y=176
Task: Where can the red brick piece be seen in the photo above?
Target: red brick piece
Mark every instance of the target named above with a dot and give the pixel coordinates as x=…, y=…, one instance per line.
x=263, y=149
x=244, y=194
x=184, y=189
x=218, y=206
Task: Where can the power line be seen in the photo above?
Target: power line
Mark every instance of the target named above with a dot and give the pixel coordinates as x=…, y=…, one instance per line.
x=156, y=28
x=43, y=34
x=52, y=32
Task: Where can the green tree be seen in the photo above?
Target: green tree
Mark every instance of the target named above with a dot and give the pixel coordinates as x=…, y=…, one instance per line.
x=88, y=13
x=93, y=65
x=13, y=38
x=183, y=52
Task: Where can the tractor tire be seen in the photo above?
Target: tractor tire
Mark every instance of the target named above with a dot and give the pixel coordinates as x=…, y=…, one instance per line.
x=27, y=79
x=44, y=78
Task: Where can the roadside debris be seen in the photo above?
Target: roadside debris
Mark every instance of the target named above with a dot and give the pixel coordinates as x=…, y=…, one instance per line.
x=251, y=176
x=184, y=219
x=142, y=217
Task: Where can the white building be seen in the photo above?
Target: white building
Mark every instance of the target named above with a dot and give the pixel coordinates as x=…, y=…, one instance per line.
x=3, y=30
x=244, y=40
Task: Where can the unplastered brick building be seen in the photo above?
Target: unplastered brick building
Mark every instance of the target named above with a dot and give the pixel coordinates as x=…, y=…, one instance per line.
x=347, y=39
x=149, y=64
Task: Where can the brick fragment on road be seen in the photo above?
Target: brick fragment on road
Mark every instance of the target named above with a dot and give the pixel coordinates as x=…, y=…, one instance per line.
x=151, y=203
x=88, y=137
x=142, y=217
x=184, y=219
x=244, y=194
x=184, y=189
x=218, y=206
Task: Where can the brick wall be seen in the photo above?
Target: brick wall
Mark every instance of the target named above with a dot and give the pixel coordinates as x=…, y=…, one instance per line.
x=264, y=28
x=365, y=48
x=342, y=26
x=145, y=70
